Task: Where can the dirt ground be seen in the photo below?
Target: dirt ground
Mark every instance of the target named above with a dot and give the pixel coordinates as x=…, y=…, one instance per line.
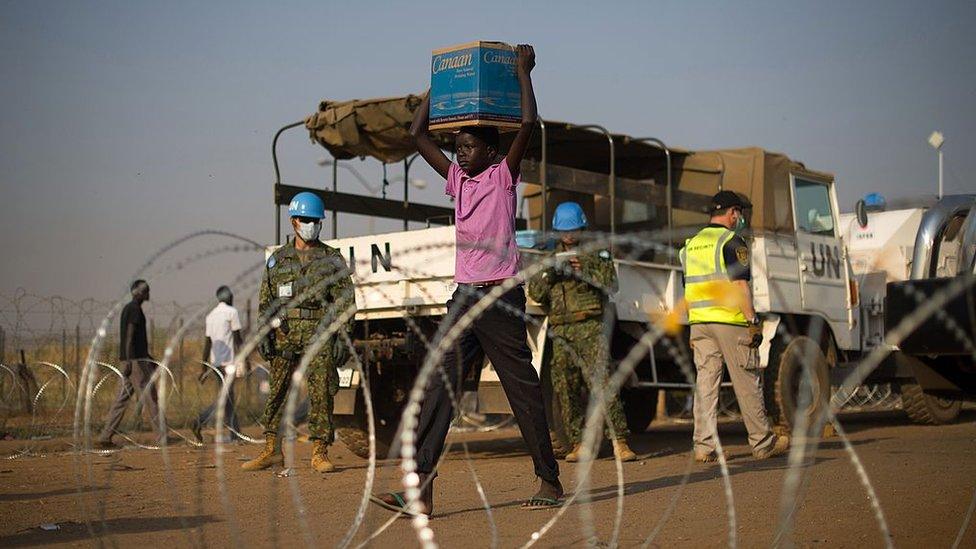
x=924, y=477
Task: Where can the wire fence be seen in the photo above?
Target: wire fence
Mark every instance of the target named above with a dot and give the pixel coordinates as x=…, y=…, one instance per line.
x=52, y=383
x=45, y=341
x=38, y=332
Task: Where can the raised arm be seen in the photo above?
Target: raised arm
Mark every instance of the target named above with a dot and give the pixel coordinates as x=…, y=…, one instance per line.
x=425, y=145
x=525, y=64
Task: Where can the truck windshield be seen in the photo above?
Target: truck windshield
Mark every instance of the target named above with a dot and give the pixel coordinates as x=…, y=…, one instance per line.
x=812, y=207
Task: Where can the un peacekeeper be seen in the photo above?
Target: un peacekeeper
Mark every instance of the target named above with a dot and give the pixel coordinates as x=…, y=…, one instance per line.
x=304, y=266
x=580, y=349
x=725, y=328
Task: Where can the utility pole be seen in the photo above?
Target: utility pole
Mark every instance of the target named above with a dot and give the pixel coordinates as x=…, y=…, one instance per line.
x=936, y=140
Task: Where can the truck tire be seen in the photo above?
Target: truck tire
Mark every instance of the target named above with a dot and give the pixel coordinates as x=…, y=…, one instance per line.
x=640, y=407
x=781, y=385
x=926, y=409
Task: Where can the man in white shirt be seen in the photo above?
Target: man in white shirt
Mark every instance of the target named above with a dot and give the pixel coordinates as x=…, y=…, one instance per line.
x=223, y=327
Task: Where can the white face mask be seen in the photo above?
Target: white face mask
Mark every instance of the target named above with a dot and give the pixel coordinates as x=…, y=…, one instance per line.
x=309, y=232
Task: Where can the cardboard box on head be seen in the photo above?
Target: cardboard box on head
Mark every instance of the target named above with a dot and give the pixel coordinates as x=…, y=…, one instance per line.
x=475, y=84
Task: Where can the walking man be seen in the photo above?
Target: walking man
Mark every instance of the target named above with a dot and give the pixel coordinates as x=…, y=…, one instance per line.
x=137, y=368
x=306, y=287
x=223, y=338
x=484, y=186
x=725, y=328
x=576, y=294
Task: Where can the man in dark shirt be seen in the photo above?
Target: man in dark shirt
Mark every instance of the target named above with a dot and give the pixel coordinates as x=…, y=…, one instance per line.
x=137, y=366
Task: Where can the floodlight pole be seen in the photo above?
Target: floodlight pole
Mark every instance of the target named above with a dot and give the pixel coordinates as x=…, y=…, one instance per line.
x=940, y=173
x=936, y=140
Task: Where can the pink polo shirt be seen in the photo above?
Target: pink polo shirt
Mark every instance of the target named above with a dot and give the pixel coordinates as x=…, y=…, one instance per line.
x=484, y=212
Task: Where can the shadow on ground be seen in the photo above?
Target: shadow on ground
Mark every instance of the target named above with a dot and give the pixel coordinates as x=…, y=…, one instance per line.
x=50, y=493
x=74, y=531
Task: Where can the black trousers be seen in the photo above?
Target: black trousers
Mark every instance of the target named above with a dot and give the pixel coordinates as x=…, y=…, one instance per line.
x=500, y=334
x=230, y=416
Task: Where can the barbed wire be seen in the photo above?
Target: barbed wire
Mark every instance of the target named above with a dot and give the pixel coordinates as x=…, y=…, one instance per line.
x=39, y=323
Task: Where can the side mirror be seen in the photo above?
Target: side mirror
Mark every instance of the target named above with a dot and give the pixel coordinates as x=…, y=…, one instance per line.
x=861, y=211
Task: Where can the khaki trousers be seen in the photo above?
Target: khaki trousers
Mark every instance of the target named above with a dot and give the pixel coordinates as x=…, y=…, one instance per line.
x=713, y=344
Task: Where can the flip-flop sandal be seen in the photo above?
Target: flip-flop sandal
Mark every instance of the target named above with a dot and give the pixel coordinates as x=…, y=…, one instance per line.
x=400, y=507
x=537, y=502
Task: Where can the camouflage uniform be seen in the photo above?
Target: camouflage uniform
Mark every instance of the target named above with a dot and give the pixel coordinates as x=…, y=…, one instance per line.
x=288, y=274
x=580, y=349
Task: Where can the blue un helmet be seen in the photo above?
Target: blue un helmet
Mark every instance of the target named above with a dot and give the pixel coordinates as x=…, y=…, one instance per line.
x=569, y=216
x=306, y=204
x=875, y=202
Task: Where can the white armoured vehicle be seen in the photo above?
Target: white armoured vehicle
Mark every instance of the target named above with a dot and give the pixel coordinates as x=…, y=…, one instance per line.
x=647, y=198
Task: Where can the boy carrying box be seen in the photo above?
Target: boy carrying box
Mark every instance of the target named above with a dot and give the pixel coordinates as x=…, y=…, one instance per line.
x=484, y=186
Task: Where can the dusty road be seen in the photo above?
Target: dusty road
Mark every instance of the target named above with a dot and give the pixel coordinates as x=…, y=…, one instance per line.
x=924, y=478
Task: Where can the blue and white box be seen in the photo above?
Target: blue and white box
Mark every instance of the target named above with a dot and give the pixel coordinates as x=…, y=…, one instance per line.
x=474, y=84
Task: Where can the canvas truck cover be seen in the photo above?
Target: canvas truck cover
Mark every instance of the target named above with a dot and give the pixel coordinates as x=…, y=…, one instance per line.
x=760, y=175
x=380, y=128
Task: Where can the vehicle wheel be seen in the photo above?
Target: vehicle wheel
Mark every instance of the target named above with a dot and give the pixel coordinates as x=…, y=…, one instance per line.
x=353, y=431
x=781, y=386
x=928, y=409
x=640, y=407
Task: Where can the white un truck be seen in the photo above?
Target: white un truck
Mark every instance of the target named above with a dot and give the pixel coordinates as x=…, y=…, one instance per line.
x=821, y=301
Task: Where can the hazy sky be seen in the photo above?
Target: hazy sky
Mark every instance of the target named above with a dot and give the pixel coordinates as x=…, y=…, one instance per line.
x=127, y=125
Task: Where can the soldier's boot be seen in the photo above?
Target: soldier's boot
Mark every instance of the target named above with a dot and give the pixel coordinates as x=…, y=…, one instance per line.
x=622, y=451
x=320, y=457
x=779, y=446
x=574, y=455
x=270, y=456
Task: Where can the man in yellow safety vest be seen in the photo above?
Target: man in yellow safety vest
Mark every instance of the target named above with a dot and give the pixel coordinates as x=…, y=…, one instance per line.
x=725, y=328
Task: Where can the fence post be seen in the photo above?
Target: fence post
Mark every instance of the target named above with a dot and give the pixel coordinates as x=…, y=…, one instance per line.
x=64, y=357
x=179, y=324
x=29, y=383
x=78, y=349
